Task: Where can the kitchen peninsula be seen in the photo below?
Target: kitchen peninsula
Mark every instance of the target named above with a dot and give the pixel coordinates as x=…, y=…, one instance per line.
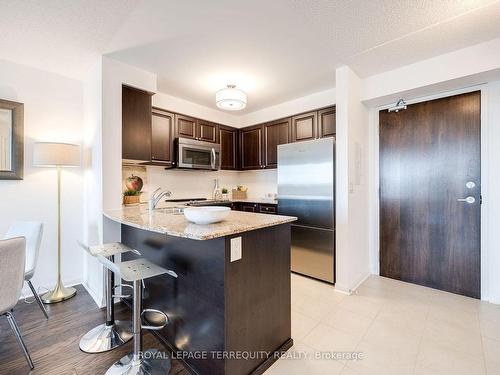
x=231, y=299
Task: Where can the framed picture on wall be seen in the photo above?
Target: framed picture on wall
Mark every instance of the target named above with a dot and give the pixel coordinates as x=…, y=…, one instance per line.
x=11, y=140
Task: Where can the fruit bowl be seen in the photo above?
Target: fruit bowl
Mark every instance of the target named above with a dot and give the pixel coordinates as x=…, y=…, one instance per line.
x=206, y=215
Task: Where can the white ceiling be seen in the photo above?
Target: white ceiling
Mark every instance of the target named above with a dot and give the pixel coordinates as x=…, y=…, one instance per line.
x=274, y=50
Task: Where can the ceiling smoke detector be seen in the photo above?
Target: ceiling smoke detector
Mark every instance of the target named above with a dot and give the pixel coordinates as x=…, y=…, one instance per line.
x=231, y=98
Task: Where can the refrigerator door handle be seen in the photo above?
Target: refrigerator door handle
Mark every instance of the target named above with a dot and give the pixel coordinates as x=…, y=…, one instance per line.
x=309, y=227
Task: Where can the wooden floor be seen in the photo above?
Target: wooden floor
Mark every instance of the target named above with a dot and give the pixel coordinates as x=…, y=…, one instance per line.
x=53, y=343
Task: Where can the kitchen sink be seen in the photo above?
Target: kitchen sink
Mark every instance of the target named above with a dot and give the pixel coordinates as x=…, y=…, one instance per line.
x=171, y=210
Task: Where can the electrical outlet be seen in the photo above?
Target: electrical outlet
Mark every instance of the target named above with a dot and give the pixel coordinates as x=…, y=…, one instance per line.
x=235, y=249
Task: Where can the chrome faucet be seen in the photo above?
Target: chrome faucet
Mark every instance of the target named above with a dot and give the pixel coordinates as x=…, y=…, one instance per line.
x=156, y=196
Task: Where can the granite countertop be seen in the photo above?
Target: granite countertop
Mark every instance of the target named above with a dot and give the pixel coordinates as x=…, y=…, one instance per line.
x=166, y=222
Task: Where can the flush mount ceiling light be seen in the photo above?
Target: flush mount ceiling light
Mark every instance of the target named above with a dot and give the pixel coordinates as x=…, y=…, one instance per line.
x=231, y=98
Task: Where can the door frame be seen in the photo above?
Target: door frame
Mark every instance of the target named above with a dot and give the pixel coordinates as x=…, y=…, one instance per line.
x=374, y=177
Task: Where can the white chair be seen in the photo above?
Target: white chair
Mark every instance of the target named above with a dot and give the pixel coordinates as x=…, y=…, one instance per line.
x=12, y=257
x=32, y=232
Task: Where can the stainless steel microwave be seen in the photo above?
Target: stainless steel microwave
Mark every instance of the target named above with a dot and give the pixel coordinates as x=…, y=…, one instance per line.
x=193, y=154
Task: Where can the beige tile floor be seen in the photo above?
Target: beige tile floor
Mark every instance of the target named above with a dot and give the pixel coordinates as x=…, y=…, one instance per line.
x=400, y=328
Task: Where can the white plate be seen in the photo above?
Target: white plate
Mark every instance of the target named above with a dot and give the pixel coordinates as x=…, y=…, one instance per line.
x=206, y=215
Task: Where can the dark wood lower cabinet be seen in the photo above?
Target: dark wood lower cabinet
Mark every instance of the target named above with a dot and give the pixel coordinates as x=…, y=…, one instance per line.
x=216, y=305
x=263, y=208
x=270, y=209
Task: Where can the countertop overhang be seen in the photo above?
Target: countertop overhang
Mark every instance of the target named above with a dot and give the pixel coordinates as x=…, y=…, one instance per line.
x=165, y=222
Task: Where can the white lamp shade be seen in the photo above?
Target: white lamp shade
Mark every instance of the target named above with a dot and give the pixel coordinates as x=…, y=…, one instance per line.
x=231, y=99
x=48, y=154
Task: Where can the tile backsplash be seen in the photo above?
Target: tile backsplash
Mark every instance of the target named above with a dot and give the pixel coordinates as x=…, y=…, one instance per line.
x=200, y=184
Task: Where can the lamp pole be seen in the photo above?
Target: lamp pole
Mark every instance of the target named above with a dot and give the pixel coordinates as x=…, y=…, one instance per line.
x=60, y=292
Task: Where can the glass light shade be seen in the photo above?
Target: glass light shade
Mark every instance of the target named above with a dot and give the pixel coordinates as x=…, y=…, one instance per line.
x=231, y=98
x=48, y=154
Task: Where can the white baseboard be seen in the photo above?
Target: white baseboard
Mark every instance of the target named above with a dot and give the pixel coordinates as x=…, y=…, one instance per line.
x=26, y=292
x=98, y=297
x=350, y=289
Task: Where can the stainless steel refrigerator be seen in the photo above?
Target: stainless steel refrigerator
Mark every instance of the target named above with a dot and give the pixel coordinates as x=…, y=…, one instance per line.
x=306, y=189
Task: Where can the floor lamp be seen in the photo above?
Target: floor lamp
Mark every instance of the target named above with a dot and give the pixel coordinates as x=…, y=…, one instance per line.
x=59, y=155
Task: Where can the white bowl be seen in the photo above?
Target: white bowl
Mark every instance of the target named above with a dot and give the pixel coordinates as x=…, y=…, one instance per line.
x=206, y=215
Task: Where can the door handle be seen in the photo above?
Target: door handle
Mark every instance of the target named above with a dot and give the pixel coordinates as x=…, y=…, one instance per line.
x=212, y=158
x=469, y=200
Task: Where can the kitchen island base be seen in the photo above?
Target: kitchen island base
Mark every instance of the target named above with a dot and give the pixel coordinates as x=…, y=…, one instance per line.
x=227, y=317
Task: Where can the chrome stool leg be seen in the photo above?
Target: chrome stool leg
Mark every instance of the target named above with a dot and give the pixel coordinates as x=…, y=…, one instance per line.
x=111, y=334
x=19, y=338
x=140, y=362
x=38, y=300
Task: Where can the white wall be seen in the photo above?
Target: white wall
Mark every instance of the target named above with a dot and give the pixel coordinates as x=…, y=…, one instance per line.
x=466, y=67
x=92, y=162
x=53, y=111
x=290, y=108
x=352, y=229
x=492, y=194
x=103, y=103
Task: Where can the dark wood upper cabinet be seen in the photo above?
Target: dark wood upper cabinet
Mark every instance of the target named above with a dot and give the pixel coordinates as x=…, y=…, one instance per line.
x=305, y=126
x=136, y=124
x=162, y=136
x=185, y=126
x=206, y=131
x=313, y=125
x=326, y=122
x=251, y=147
x=275, y=133
x=229, y=147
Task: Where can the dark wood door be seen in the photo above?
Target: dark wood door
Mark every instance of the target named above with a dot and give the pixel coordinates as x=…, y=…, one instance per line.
x=206, y=131
x=228, y=147
x=275, y=133
x=251, y=147
x=136, y=124
x=162, y=136
x=185, y=126
x=305, y=126
x=326, y=122
x=428, y=155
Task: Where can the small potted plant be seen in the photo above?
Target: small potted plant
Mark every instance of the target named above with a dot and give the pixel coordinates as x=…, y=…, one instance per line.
x=131, y=197
x=225, y=194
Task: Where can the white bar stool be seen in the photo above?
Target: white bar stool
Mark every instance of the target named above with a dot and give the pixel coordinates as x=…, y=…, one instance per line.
x=113, y=333
x=141, y=362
